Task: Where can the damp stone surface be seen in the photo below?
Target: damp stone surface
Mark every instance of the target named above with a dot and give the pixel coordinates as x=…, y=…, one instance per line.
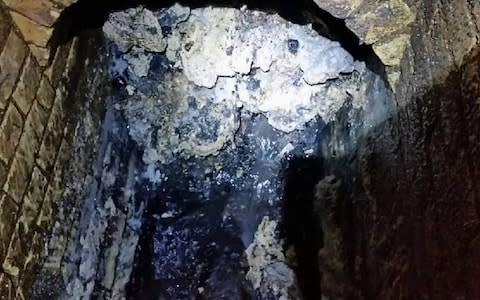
x=208, y=110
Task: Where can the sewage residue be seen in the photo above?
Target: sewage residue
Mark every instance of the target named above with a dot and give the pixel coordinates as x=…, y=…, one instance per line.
x=217, y=116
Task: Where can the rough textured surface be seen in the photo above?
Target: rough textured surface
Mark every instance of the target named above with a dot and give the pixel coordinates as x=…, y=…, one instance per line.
x=27, y=187
x=268, y=66
x=434, y=172
x=213, y=156
x=203, y=209
x=269, y=270
x=376, y=23
x=418, y=220
x=335, y=279
x=44, y=13
x=213, y=47
x=418, y=197
x=94, y=236
x=135, y=27
x=372, y=21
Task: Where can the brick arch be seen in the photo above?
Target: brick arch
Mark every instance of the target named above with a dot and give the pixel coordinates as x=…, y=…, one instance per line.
x=36, y=20
x=385, y=26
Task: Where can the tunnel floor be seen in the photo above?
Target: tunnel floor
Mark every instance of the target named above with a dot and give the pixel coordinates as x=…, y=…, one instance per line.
x=214, y=137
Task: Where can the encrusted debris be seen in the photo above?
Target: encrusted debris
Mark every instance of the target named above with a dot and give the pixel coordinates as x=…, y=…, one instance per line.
x=269, y=271
x=139, y=61
x=219, y=61
x=216, y=102
x=135, y=27
x=192, y=127
x=263, y=63
x=226, y=42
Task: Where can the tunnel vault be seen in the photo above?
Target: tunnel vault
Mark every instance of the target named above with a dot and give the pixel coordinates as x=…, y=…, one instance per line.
x=418, y=224
x=383, y=25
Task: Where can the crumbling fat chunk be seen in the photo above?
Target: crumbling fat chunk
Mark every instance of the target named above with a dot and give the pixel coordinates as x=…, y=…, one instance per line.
x=139, y=61
x=266, y=64
x=179, y=122
x=269, y=272
x=228, y=60
x=135, y=27
x=226, y=42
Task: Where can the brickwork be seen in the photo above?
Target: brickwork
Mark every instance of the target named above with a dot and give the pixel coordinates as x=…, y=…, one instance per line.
x=32, y=128
x=36, y=20
x=412, y=185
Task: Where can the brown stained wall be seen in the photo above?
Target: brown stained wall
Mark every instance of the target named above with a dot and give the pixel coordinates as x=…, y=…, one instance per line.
x=421, y=221
x=33, y=146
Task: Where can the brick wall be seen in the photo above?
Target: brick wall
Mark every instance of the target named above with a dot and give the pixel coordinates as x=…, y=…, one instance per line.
x=32, y=130
x=36, y=20
x=417, y=176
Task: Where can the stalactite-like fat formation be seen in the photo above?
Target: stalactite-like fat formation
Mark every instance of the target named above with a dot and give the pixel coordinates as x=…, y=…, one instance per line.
x=216, y=103
x=219, y=61
x=269, y=270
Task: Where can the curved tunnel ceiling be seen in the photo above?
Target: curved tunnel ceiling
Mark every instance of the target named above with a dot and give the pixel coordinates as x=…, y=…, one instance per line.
x=384, y=25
